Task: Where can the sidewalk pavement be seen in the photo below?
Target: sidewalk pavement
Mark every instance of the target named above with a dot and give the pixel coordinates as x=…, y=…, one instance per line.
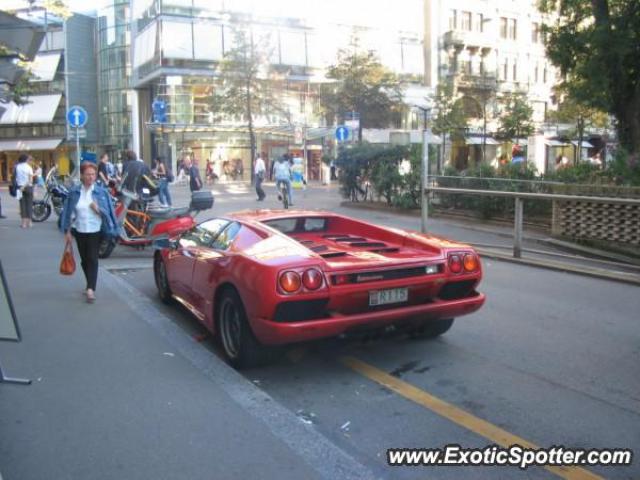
x=117, y=394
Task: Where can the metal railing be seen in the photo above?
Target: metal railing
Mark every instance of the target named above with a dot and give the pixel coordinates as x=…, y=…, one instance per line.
x=519, y=197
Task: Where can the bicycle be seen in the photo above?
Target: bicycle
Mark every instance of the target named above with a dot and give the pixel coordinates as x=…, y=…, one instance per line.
x=361, y=190
x=283, y=194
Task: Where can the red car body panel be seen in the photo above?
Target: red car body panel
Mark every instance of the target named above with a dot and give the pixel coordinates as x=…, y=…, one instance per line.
x=371, y=258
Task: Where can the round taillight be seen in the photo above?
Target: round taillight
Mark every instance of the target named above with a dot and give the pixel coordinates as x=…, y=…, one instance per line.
x=455, y=264
x=470, y=262
x=290, y=282
x=312, y=279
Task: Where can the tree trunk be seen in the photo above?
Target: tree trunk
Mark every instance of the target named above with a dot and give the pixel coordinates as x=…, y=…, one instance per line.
x=252, y=138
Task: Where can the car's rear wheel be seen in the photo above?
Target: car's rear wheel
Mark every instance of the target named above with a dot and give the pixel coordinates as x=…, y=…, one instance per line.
x=241, y=347
x=162, y=281
x=431, y=328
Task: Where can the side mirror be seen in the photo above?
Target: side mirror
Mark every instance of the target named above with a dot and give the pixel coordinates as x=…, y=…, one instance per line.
x=161, y=243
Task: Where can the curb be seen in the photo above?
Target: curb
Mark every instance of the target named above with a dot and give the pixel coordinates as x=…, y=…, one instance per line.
x=622, y=277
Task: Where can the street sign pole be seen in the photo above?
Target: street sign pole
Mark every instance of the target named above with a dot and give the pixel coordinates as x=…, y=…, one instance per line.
x=76, y=172
x=77, y=118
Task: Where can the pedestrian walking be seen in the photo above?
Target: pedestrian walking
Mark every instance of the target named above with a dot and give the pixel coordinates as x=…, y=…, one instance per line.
x=195, y=182
x=24, y=180
x=88, y=216
x=164, y=176
x=259, y=171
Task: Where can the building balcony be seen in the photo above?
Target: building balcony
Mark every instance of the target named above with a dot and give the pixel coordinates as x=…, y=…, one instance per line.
x=487, y=81
x=466, y=39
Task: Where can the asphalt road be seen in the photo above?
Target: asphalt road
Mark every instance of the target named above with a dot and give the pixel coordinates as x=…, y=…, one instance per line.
x=552, y=359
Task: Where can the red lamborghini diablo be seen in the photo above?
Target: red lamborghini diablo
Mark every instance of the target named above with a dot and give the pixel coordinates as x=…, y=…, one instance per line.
x=263, y=278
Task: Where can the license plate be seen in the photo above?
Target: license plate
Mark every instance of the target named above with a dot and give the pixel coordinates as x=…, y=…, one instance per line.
x=384, y=297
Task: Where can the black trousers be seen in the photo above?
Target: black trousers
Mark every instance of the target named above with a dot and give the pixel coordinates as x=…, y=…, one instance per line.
x=259, y=189
x=26, y=203
x=88, y=246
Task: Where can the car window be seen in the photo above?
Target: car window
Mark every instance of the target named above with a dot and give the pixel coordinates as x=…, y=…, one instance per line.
x=226, y=236
x=315, y=224
x=284, y=225
x=204, y=234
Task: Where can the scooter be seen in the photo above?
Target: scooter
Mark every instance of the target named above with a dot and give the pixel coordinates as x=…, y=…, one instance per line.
x=140, y=224
x=55, y=195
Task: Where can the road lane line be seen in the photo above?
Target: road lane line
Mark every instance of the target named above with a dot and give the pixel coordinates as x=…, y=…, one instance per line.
x=459, y=416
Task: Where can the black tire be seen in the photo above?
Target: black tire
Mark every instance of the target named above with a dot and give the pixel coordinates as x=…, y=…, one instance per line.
x=41, y=211
x=432, y=328
x=106, y=247
x=241, y=348
x=162, y=281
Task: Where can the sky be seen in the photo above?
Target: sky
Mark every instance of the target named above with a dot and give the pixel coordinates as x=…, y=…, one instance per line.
x=405, y=15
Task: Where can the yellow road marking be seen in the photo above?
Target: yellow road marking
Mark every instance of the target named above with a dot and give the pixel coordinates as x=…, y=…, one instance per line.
x=459, y=416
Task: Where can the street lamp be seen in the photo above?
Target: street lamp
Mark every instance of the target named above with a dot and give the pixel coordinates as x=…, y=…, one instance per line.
x=425, y=169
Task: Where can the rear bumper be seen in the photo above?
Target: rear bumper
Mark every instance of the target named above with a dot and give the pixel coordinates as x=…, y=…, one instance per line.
x=275, y=333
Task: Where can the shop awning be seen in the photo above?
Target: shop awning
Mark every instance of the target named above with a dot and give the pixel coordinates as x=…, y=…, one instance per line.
x=44, y=66
x=585, y=144
x=555, y=143
x=30, y=144
x=40, y=109
x=478, y=141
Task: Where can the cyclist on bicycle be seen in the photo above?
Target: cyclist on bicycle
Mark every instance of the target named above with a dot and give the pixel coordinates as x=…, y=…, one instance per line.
x=282, y=172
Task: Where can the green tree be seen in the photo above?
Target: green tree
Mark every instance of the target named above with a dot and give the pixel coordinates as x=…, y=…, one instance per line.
x=596, y=45
x=450, y=118
x=516, y=120
x=362, y=85
x=582, y=116
x=244, y=87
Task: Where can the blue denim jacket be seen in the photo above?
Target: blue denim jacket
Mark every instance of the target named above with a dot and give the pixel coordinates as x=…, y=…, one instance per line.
x=110, y=227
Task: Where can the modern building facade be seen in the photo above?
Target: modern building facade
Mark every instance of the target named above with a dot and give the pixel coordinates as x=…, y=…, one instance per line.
x=63, y=74
x=178, y=46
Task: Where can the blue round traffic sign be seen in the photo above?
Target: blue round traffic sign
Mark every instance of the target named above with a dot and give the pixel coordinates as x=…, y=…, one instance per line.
x=342, y=133
x=77, y=117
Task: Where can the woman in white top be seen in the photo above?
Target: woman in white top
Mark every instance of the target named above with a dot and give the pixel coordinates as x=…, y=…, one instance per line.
x=24, y=179
x=86, y=223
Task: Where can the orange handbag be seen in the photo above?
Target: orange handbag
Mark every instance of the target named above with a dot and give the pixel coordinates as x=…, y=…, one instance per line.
x=68, y=263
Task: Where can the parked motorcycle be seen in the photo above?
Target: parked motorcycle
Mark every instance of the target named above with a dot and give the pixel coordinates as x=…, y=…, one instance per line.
x=55, y=195
x=140, y=224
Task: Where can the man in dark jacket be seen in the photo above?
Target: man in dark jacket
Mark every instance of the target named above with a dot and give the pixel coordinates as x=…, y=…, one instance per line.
x=195, y=182
x=133, y=171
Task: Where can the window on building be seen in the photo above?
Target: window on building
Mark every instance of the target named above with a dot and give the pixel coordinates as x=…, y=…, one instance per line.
x=479, y=25
x=513, y=28
x=515, y=71
x=536, y=73
x=453, y=19
x=535, y=32
x=505, y=69
x=503, y=27
x=466, y=21
x=544, y=75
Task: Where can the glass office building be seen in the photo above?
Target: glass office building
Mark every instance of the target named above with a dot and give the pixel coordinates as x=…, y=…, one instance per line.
x=114, y=72
x=177, y=46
